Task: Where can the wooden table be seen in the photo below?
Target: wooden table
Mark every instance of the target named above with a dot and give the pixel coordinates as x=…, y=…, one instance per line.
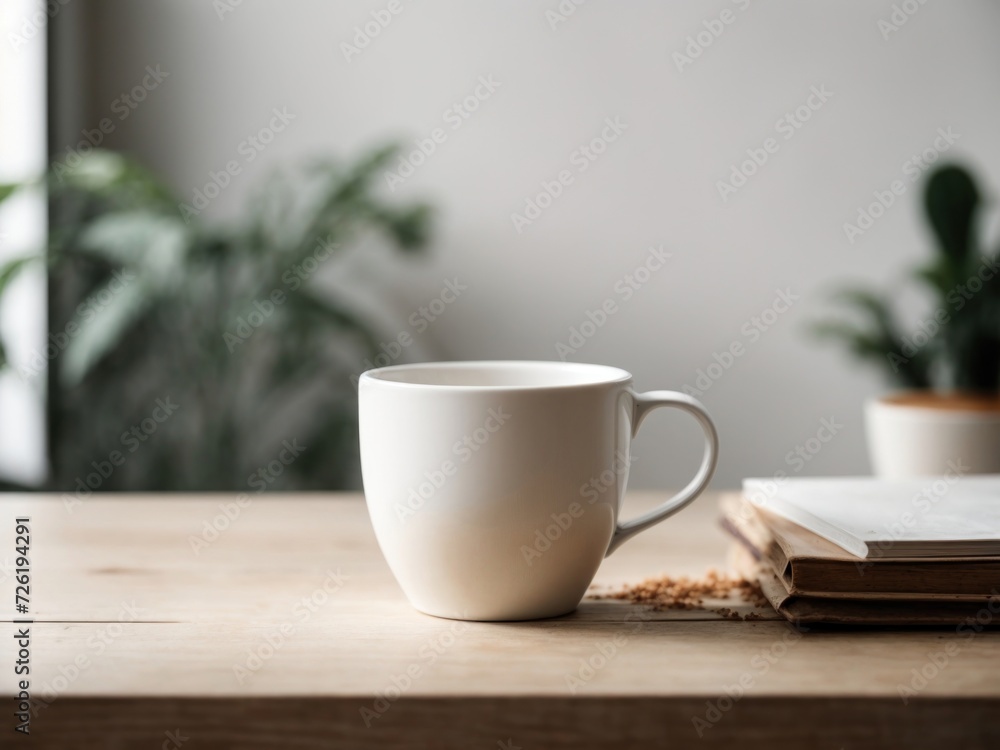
x=286, y=629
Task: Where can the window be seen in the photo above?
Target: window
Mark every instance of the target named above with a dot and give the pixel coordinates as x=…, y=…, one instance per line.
x=23, y=231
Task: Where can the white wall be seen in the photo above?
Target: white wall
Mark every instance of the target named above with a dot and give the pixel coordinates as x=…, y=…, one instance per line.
x=656, y=184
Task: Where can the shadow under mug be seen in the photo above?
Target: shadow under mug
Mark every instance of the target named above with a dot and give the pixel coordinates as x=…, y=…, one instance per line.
x=494, y=488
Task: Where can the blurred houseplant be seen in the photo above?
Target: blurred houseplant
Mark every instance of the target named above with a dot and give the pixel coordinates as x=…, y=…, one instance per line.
x=947, y=420
x=185, y=356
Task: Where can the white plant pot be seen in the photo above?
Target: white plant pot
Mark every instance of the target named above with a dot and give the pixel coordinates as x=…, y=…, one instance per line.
x=912, y=435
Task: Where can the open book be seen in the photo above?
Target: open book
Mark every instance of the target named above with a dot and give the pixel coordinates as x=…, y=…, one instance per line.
x=875, y=518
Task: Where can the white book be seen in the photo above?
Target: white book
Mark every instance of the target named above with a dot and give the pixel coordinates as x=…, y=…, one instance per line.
x=877, y=518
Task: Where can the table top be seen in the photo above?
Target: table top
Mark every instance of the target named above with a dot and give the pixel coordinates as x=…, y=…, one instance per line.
x=241, y=616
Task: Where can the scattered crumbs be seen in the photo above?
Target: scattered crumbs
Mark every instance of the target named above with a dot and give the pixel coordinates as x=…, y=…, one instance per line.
x=683, y=592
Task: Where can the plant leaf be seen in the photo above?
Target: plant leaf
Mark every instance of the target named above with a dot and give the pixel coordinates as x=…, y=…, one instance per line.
x=119, y=181
x=938, y=275
x=155, y=243
x=8, y=272
x=409, y=227
x=883, y=342
x=12, y=267
x=873, y=306
x=100, y=334
x=6, y=190
x=310, y=305
x=858, y=341
x=951, y=200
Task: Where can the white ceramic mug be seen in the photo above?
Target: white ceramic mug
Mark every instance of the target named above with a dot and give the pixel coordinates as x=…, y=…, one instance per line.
x=495, y=487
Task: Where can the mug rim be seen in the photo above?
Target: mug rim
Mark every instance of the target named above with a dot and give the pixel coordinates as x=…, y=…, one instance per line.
x=610, y=375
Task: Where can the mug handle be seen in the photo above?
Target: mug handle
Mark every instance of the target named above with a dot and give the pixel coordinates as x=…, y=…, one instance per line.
x=642, y=404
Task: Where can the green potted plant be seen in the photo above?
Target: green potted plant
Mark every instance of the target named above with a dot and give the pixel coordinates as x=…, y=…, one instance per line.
x=185, y=355
x=945, y=419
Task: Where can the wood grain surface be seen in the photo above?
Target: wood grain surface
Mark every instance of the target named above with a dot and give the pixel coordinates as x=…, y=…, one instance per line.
x=286, y=629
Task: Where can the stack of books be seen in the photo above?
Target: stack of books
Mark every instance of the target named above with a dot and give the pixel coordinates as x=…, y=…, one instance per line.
x=872, y=552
